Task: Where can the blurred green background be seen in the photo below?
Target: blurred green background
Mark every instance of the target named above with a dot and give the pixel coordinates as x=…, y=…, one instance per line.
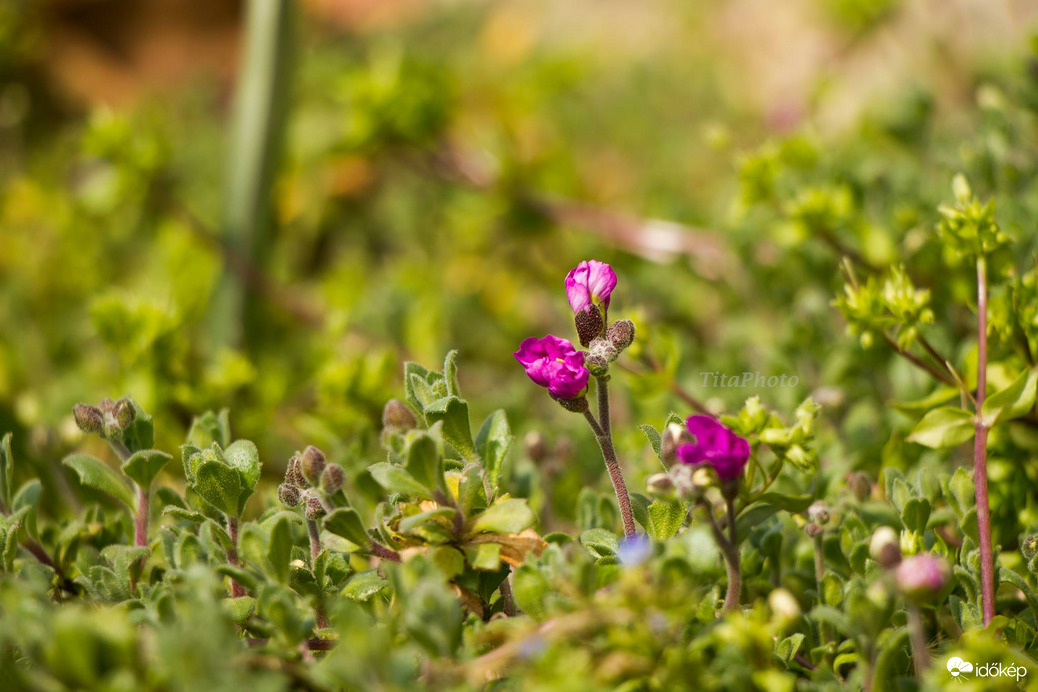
x=270, y=210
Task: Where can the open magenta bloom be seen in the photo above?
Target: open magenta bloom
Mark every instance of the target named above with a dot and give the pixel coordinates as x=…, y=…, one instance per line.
x=715, y=445
x=589, y=283
x=554, y=363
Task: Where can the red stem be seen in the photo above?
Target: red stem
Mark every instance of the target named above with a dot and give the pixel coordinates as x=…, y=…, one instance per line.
x=980, y=452
x=140, y=520
x=237, y=590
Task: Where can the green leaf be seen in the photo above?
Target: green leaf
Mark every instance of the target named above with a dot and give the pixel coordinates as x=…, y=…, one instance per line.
x=240, y=609
x=363, y=586
x=449, y=561
x=96, y=474
x=144, y=465
x=243, y=577
x=140, y=434
x=182, y=513
x=6, y=471
x=210, y=427
x=219, y=485
x=486, y=557
x=787, y=649
x=1012, y=402
x=122, y=557
x=751, y=516
x=450, y=374
x=505, y=516
x=346, y=522
x=892, y=650
x=832, y=590
x=279, y=551
x=654, y=438
x=28, y=496
x=935, y=398
x=454, y=413
x=915, y=514
x=493, y=441
x=424, y=462
x=396, y=480
x=943, y=427
x=794, y=504
x=666, y=517
x=471, y=493
x=244, y=457
x=600, y=542
x=416, y=387
x=530, y=587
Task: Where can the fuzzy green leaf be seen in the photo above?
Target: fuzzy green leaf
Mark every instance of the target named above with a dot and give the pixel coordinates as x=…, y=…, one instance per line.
x=219, y=485
x=493, y=441
x=95, y=473
x=144, y=465
x=529, y=589
x=505, y=516
x=396, y=480
x=424, y=462
x=346, y=522
x=279, y=550
x=1013, y=401
x=454, y=413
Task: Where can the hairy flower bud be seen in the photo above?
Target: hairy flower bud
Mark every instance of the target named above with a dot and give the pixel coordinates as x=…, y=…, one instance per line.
x=818, y=513
x=860, y=485
x=294, y=473
x=536, y=447
x=578, y=405
x=89, y=419
x=1029, y=547
x=398, y=416
x=660, y=485
x=813, y=530
x=124, y=413
x=597, y=366
x=314, y=509
x=312, y=464
x=288, y=495
x=589, y=324
x=601, y=348
x=885, y=547
x=332, y=478
x=621, y=334
x=674, y=435
x=922, y=577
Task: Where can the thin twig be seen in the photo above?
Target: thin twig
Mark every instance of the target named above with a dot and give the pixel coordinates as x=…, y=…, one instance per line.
x=980, y=452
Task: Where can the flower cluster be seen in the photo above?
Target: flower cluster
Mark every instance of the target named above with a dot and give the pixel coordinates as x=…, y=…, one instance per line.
x=716, y=446
x=307, y=474
x=555, y=363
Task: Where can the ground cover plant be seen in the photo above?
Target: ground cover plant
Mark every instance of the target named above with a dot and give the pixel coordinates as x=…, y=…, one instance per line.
x=390, y=382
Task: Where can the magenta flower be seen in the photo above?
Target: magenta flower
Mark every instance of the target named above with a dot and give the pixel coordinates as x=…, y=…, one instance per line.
x=589, y=283
x=715, y=445
x=556, y=364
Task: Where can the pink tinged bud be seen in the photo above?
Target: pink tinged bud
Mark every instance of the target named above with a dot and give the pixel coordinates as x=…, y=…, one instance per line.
x=312, y=464
x=288, y=495
x=590, y=283
x=556, y=364
x=314, y=509
x=124, y=413
x=885, y=548
x=294, y=474
x=716, y=446
x=923, y=576
x=398, y=416
x=621, y=334
x=89, y=419
x=332, y=478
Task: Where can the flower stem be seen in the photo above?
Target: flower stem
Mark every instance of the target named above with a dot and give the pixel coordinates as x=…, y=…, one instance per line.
x=980, y=452
x=379, y=550
x=920, y=651
x=315, y=540
x=823, y=629
x=237, y=590
x=730, y=553
x=605, y=443
x=140, y=519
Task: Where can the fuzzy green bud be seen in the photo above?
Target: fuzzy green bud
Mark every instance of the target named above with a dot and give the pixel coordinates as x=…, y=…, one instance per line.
x=332, y=478
x=1029, y=547
x=124, y=413
x=578, y=405
x=312, y=464
x=596, y=365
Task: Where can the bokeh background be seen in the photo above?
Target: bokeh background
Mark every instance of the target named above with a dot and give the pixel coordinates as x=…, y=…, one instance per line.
x=270, y=206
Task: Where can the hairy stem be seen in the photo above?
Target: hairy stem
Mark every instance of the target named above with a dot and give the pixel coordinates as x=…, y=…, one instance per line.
x=920, y=651
x=379, y=550
x=140, y=519
x=605, y=443
x=237, y=590
x=506, y=596
x=729, y=552
x=823, y=629
x=980, y=450
x=315, y=539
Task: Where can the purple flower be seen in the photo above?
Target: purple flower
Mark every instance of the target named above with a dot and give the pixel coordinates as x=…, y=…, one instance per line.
x=589, y=283
x=922, y=576
x=715, y=445
x=556, y=364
